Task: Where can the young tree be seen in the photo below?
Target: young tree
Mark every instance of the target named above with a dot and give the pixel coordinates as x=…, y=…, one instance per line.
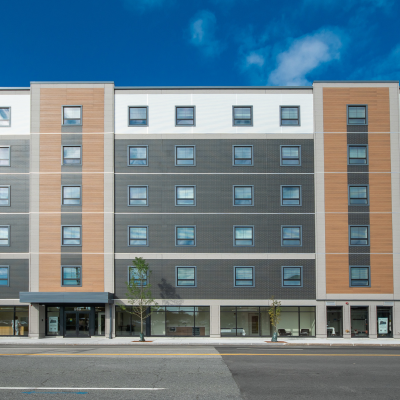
x=139, y=292
x=275, y=315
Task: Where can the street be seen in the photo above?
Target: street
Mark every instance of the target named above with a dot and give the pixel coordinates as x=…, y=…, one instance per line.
x=198, y=372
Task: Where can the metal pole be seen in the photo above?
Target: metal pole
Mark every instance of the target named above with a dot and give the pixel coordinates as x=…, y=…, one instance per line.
x=110, y=336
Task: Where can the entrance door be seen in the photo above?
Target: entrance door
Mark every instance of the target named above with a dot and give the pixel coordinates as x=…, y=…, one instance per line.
x=77, y=324
x=254, y=324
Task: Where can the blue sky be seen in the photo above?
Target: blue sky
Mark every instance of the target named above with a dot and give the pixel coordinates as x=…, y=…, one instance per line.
x=199, y=42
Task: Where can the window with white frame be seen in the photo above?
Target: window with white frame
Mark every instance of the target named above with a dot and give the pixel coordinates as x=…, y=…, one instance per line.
x=5, y=116
x=71, y=235
x=5, y=196
x=138, y=195
x=138, y=235
x=72, y=115
x=186, y=276
x=244, y=276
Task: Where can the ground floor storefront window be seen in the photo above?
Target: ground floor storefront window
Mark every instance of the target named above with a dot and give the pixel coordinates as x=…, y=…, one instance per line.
x=384, y=320
x=255, y=321
x=14, y=321
x=359, y=322
x=334, y=321
x=75, y=320
x=164, y=321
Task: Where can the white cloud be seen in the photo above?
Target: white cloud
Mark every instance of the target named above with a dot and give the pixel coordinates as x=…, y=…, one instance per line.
x=304, y=55
x=202, y=33
x=255, y=59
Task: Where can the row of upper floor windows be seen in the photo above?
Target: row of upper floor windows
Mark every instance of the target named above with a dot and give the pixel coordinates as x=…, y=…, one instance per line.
x=186, y=276
x=186, y=115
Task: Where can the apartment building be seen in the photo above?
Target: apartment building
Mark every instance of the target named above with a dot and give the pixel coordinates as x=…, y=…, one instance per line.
x=233, y=195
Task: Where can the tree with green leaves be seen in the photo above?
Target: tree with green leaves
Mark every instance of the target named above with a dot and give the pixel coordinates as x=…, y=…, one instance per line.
x=139, y=292
x=275, y=315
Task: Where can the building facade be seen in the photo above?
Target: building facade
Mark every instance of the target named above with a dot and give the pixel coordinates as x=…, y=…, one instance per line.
x=234, y=196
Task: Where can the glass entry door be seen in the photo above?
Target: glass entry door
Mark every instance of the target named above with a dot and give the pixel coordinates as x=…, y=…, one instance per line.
x=77, y=324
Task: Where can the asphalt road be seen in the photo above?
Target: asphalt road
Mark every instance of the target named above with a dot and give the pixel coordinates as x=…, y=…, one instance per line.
x=199, y=372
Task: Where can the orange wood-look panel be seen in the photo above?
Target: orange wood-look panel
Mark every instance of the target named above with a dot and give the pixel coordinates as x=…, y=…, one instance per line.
x=379, y=152
x=338, y=279
x=380, y=193
x=92, y=233
x=337, y=233
x=92, y=153
x=336, y=193
x=50, y=273
x=52, y=100
x=381, y=233
x=93, y=272
x=50, y=153
x=337, y=99
x=335, y=152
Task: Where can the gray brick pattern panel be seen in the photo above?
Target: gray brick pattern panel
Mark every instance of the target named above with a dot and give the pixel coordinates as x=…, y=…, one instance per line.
x=214, y=156
x=215, y=280
x=19, y=279
x=214, y=193
x=19, y=233
x=214, y=233
x=19, y=155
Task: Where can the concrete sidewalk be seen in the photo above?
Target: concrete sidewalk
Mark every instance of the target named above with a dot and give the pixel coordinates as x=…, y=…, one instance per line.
x=196, y=341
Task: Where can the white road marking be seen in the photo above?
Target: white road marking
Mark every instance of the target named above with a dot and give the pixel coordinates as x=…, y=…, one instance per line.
x=73, y=388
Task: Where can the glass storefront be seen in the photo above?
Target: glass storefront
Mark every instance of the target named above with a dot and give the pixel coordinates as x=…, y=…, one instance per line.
x=359, y=322
x=100, y=321
x=255, y=321
x=334, y=321
x=384, y=321
x=14, y=321
x=165, y=321
x=53, y=321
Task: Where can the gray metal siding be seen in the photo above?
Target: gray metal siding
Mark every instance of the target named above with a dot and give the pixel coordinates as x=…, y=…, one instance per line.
x=214, y=193
x=214, y=156
x=19, y=189
x=215, y=280
x=19, y=279
x=19, y=153
x=19, y=235
x=214, y=232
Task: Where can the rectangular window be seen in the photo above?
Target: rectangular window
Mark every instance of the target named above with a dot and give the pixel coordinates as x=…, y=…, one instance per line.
x=5, y=156
x=291, y=236
x=359, y=235
x=4, y=275
x=185, y=116
x=243, y=116
x=358, y=195
x=138, y=156
x=290, y=115
x=72, y=115
x=186, y=276
x=72, y=155
x=185, y=195
x=244, y=276
x=71, y=276
x=359, y=275
x=138, y=116
x=291, y=195
x=243, y=195
x=185, y=156
x=139, y=279
x=357, y=115
x=292, y=276
x=243, y=156
x=4, y=196
x=243, y=236
x=358, y=154
x=4, y=235
x=71, y=235
x=71, y=195
x=185, y=236
x=138, y=196
x=290, y=156
x=138, y=236
x=5, y=116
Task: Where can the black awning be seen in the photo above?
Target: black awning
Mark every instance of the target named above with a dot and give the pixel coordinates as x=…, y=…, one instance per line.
x=65, y=297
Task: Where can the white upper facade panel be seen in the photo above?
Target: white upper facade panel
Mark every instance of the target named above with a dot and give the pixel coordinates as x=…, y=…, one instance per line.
x=214, y=112
x=15, y=114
